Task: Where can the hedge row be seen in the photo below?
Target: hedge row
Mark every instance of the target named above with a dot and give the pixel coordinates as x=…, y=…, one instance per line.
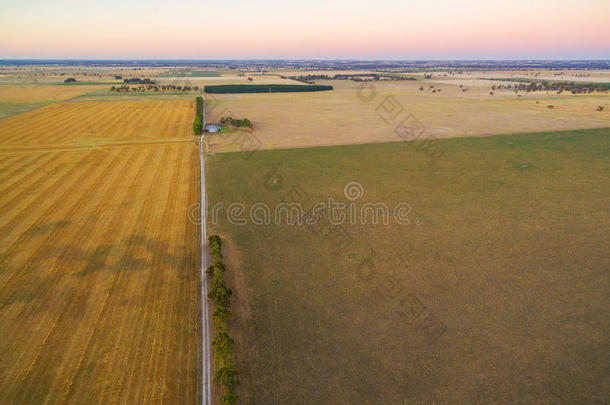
x=226, y=374
x=199, y=100
x=263, y=88
x=198, y=123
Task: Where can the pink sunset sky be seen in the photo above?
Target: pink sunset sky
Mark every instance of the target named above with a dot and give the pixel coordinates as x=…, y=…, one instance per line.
x=272, y=29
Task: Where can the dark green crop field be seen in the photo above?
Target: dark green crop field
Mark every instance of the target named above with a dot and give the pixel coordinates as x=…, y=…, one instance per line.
x=264, y=88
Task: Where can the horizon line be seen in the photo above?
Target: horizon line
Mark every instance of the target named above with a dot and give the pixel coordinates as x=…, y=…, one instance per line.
x=311, y=59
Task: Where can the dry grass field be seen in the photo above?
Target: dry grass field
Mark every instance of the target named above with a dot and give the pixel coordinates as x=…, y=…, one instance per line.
x=89, y=124
x=98, y=259
x=41, y=93
x=286, y=120
x=15, y=99
x=496, y=292
x=568, y=75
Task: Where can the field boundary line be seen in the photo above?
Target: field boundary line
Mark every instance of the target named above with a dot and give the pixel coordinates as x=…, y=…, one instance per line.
x=206, y=397
x=34, y=149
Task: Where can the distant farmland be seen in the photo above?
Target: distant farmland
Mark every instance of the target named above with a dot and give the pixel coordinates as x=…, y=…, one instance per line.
x=30, y=93
x=15, y=98
x=190, y=73
x=495, y=292
x=381, y=111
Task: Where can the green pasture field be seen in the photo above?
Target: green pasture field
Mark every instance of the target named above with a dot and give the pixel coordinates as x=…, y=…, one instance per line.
x=496, y=291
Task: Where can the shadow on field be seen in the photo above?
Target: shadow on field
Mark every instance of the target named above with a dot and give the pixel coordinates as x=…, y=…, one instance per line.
x=49, y=227
x=47, y=269
x=134, y=252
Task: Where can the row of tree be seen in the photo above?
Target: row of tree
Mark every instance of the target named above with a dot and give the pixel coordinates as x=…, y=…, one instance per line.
x=226, y=375
x=142, y=88
x=244, y=123
x=137, y=80
x=558, y=86
x=198, y=122
x=362, y=77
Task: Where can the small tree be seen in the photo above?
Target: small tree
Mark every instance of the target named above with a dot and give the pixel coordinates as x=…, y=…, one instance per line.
x=215, y=244
x=221, y=315
x=219, y=292
x=223, y=345
x=218, y=264
x=197, y=126
x=227, y=376
x=229, y=398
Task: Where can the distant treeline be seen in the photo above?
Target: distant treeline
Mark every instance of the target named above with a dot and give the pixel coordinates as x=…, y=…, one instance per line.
x=198, y=122
x=137, y=80
x=263, y=88
x=545, y=85
x=354, y=77
x=154, y=87
x=226, y=375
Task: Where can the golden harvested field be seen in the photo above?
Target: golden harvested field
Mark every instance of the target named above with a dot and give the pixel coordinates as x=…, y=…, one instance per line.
x=98, y=259
x=286, y=120
x=88, y=124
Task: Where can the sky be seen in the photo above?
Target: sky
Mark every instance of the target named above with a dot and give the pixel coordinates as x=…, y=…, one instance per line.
x=312, y=29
